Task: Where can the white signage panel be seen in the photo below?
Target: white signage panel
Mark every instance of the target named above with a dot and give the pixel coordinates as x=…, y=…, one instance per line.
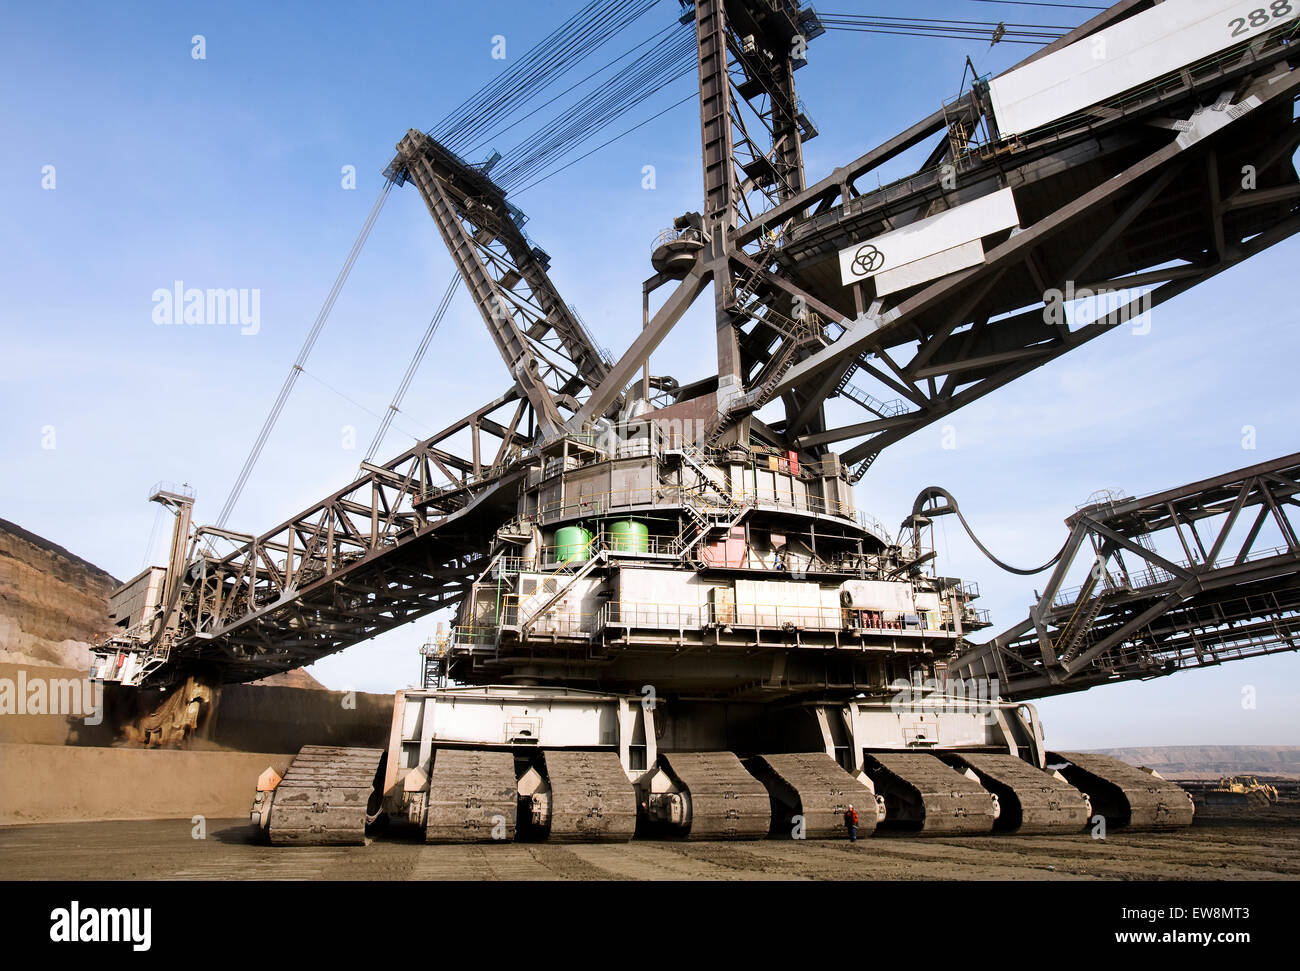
x=940, y=240
x=1131, y=53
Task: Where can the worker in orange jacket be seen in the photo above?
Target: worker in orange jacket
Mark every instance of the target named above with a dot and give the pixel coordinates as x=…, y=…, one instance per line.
x=851, y=823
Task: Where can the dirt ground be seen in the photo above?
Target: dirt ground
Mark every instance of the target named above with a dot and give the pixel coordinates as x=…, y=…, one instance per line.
x=1266, y=848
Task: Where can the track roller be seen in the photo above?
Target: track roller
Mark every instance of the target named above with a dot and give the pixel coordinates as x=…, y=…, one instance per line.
x=1126, y=796
x=705, y=796
x=812, y=785
x=326, y=797
x=1032, y=801
x=922, y=793
x=472, y=797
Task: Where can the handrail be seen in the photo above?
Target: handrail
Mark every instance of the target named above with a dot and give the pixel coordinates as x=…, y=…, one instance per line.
x=1150, y=576
x=604, y=503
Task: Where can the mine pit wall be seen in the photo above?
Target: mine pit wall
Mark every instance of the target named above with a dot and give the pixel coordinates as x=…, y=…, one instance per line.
x=58, y=768
x=52, y=783
x=52, y=602
x=265, y=718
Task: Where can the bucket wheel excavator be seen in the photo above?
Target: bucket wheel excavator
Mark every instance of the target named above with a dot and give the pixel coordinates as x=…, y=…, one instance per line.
x=671, y=618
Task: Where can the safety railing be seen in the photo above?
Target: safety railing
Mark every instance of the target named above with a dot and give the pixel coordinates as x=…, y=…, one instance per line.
x=884, y=409
x=552, y=621
x=1150, y=575
x=183, y=490
x=471, y=638
x=672, y=235
x=657, y=616
x=874, y=525
x=612, y=503
x=648, y=615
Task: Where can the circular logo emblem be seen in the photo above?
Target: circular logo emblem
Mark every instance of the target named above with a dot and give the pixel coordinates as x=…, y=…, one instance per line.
x=867, y=259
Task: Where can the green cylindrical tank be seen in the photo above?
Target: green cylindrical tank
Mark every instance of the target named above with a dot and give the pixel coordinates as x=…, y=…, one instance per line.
x=629, y=536
x=572, y=544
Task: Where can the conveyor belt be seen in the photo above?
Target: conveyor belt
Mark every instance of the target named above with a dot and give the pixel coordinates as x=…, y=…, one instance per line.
x=473, y=797
x=923, y=793
x=592, y=800
x=1031, y=800
x=324, y=797
x=1125, y=795
x=812, y=785
x=726, y=801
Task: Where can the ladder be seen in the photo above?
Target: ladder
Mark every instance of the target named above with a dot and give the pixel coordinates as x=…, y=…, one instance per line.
x=860, y=469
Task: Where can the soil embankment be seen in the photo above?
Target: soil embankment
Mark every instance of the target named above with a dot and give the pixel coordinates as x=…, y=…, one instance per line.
x=67, y=762
x=52, y=602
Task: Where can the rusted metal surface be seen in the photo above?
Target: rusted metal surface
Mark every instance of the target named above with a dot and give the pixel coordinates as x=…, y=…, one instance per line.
x=592, y=800
x=1124, y=795
x=324, y=797
x=473, y=797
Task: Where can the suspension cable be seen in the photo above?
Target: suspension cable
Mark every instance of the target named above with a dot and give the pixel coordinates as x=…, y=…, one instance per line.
x=547, y=60
x=303, y=353
x=411, y=368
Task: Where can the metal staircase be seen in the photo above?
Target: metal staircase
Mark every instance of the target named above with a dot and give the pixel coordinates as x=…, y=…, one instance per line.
x=550, y=590
x=881, y=409
x=860, y=469
x=1087, y=607
x=703, y=518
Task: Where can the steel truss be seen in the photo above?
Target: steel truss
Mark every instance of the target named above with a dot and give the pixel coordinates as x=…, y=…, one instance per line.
x=1141, y=196
x=542, y=341
x=1141, y=613
x=401, y=541
x=1138, y=194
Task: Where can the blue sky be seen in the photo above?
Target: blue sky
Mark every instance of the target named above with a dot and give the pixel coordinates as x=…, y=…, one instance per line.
x=226, y=172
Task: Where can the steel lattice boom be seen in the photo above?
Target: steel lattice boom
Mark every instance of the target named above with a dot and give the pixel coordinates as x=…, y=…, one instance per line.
x=1141, y=614
x=1139, y=191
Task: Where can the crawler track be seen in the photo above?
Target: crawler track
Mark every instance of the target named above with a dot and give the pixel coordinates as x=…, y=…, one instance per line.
x=592, y=800
x=922, y=793
x=1032, y=801
x=473, y=797
x=813, y=786
x=726, y=801
x=329, y=795
x=1124, y=795
x=324, y=797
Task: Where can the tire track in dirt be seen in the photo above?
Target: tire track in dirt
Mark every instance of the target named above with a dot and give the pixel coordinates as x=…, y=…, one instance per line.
x=647, y=860
x=735, y=862
x=563, y=862
x=166, y=850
